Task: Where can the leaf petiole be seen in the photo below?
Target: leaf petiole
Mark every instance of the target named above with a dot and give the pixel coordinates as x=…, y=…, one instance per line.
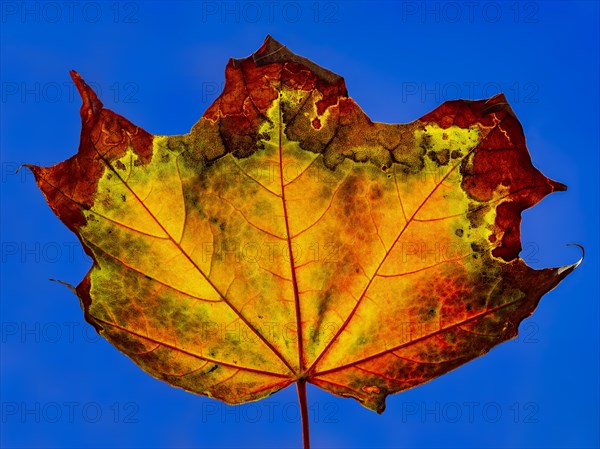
x=301, y=386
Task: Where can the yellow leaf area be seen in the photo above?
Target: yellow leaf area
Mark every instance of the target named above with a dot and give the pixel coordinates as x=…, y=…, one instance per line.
x=235, y=278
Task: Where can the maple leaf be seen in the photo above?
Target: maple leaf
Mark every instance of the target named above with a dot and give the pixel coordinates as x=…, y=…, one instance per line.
x=290, y=239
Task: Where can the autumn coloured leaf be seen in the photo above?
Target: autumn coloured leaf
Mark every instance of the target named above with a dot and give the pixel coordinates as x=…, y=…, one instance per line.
x=287, y=238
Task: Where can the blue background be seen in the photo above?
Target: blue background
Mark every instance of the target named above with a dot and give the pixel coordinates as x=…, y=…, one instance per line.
x=160, y=64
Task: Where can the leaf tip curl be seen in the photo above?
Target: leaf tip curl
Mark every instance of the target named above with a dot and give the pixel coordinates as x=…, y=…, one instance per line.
x=563, y=271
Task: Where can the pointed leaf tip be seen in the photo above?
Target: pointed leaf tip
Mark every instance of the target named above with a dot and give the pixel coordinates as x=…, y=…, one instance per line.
x=35, y=169
x=557, y=186
x=497, y=103
x=91, y=106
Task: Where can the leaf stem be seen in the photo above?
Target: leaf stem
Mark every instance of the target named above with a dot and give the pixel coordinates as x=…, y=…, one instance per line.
x=301, y=386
